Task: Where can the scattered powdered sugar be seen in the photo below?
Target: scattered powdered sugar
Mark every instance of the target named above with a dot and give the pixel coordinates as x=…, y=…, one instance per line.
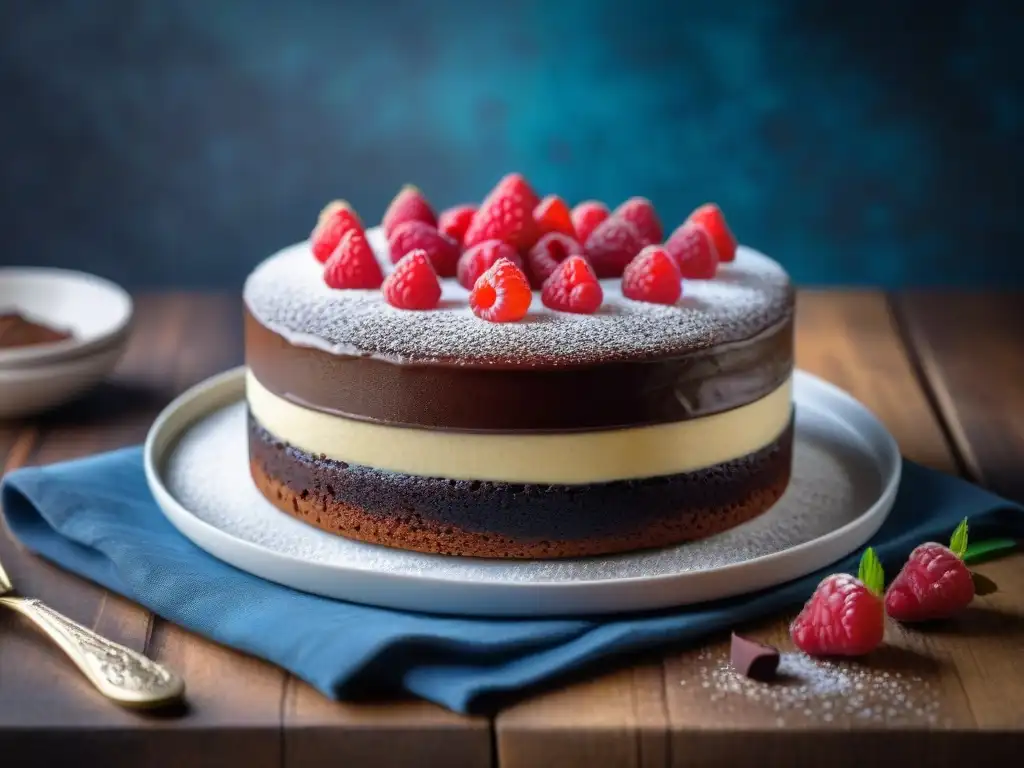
x=287, y=293
x=821, y=691
x=833, y=483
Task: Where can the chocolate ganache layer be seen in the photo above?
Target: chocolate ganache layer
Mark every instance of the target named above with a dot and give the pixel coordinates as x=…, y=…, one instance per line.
x=727, y=343
x=446, y=395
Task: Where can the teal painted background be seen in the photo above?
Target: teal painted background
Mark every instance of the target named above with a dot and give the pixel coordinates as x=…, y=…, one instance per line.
x=178, y=142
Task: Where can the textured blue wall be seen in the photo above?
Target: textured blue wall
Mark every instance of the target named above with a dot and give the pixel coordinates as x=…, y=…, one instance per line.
x=178, y=142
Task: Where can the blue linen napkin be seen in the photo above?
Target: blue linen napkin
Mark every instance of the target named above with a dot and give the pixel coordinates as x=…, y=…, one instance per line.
x=96, y=517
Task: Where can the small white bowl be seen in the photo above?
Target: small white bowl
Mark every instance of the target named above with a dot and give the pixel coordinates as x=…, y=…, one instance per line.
x=97, y=312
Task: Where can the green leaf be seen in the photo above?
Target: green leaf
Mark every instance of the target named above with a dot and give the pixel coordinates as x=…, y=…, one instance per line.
x=982, y=550
x=958, y=544
x=871, y=573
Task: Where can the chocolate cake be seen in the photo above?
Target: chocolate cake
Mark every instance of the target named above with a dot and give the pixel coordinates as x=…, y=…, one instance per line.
x=560, y=434
x=16, y=330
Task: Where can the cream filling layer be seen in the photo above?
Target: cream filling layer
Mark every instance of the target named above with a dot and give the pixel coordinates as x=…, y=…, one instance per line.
x=558, y=459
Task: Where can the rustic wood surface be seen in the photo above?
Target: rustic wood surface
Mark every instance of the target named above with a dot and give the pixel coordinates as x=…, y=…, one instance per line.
x=945, y=696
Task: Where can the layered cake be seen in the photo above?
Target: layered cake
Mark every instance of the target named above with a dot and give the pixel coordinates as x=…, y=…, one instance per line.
x=518, y=379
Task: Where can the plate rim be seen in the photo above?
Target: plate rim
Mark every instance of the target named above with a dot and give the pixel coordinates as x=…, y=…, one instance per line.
x=227, y=387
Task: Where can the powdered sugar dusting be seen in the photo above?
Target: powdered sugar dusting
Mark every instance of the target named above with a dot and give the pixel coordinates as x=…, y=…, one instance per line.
x=825, y=692
x=287, y=293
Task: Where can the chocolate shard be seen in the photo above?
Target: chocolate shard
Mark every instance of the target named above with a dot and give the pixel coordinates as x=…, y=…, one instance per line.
x=758, y=661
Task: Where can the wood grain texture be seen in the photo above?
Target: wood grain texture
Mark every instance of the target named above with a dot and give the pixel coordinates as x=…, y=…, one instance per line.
x=971, y=351
x=614, y=719
x=909, y=700
x=403, y=734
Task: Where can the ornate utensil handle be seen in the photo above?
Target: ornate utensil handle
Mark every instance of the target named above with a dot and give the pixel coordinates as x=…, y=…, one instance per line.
x=119, y=673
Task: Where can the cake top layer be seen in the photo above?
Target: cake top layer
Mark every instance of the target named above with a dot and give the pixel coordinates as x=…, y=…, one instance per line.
x=287, y=294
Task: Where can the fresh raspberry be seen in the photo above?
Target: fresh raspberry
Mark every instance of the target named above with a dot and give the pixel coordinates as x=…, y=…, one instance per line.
x=408, y=205
x=934, y=583
x=552, y=215
x=711, y=218
x=652, y=277
x=336, y=220
x=353, y=264
x=332, y=207
x=545, y=256
x=573, y=287
x=501, y=294
x=586, y=216
x=611, y=246
x=845, y=616
x=413, y=283
x=639, y=211
x=482, y=257
x=506, y=214
x=690, y=245
x=455, y=221
x=415, y=235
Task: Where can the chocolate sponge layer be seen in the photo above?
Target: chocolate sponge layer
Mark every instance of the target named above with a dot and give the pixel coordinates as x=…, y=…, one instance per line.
x=507, y=520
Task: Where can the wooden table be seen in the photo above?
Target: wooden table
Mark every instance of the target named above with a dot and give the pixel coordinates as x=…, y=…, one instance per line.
x=944, y=372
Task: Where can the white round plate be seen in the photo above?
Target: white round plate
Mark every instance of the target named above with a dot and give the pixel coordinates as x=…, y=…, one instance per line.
x=845, y=474
x=96, y=311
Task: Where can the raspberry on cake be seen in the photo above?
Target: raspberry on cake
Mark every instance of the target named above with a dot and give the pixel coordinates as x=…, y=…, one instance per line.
x=573, y=287
x=711, y=218
x=442, y=251
x=612, y=245
x=552, y=215
x=455, y=221
x=409, y=205
x=592, y=420
x=353, y=264
x=693, y=251
x=586, y=216
x=336, y=220
x=481, y=257
x=639, y=211
x=547, y=253
x=652, y=276
x=413, y=283
x=501, y=294
x=506, y=214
